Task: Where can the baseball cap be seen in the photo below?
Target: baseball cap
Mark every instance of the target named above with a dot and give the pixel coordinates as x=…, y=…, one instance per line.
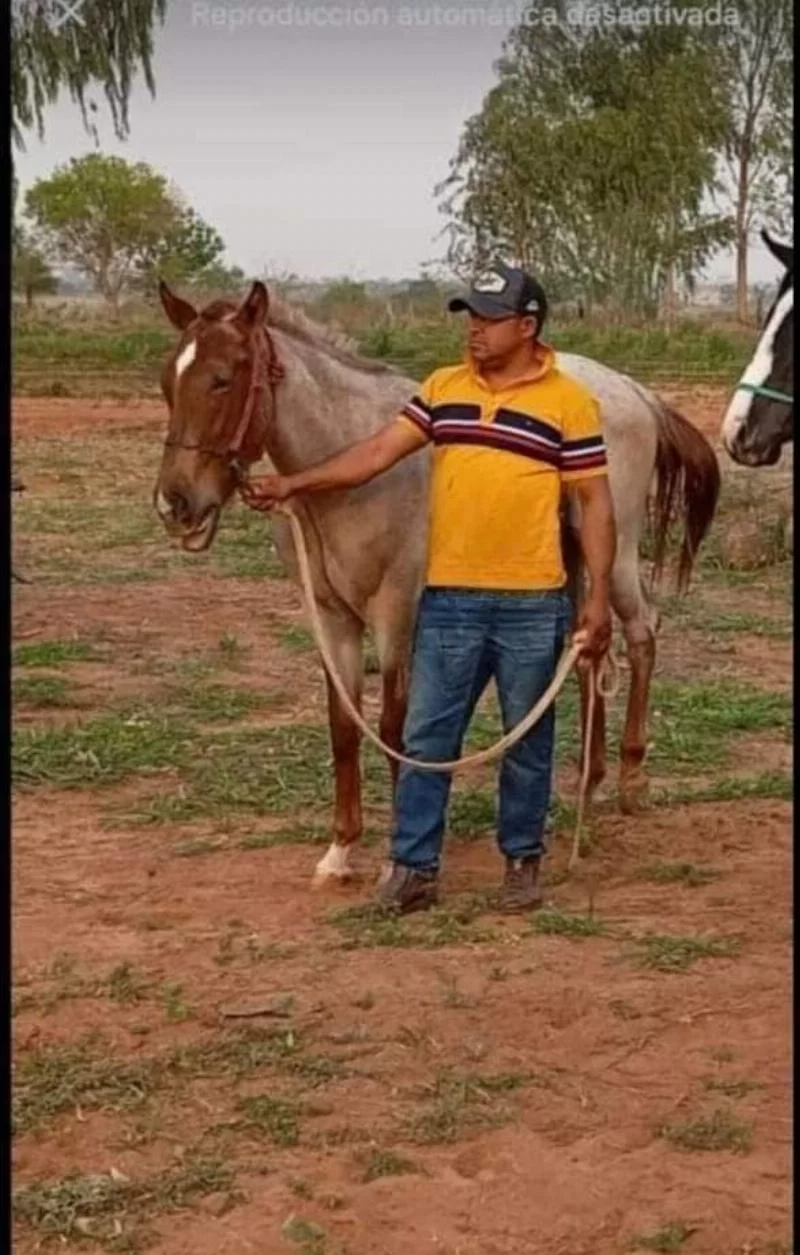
x=503, y=293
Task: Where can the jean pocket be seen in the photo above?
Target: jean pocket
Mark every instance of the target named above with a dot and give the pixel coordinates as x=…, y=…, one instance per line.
x=449, y=654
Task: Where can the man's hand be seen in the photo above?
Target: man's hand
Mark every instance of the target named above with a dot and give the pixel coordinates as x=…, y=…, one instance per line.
x=264, y=493
x=595, y=623
x=356, y=465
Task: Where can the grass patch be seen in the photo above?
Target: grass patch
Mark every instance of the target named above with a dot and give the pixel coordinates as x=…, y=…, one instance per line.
x=731, y=1089
x=86, y=1076
x=693, y=725
x=295, y=834
x=672, y=1237
x=293, y=636
x=305, y=1233
x=44, y=692
x=261, y=771
x=778, y=785
x=175, y=1009
x=251, y=1049
x=112, y=1208
x=559, y=924
x=686, y=351
x=720, y=1131
x=458, y=1104
x=378, y=1163
x=712, y=621
x=100, y=751
x=110, y=524
x=218, y=703
x=367, y=926
x=472, y=812
x=125, y=986
x=687, y=874
x=62, y=1078
x=56, y=653
x=244, y=548
x=666, y=953
x=273, y=1118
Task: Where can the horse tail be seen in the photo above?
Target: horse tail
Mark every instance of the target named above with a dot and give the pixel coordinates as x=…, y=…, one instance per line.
x=688, y=484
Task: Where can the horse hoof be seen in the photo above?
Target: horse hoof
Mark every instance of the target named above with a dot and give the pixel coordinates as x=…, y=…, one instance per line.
x=632, y=794
x=334, y=868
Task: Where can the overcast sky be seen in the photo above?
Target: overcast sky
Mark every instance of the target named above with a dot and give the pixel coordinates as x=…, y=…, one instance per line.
x=312, y=135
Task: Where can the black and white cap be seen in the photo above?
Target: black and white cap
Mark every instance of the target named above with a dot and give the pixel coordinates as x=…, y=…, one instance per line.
x=505, y=292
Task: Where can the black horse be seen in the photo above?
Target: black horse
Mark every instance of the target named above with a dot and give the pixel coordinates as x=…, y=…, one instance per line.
x=758, y=421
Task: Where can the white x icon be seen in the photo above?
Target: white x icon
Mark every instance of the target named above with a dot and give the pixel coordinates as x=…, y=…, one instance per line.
x=68, y=11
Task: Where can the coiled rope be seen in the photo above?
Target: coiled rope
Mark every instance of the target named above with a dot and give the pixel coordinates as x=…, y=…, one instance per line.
x=604, y=683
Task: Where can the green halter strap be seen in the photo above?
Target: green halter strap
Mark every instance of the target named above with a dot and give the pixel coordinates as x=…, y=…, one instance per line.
x=773, y=394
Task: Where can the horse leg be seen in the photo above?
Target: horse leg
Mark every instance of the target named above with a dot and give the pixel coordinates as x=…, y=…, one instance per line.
x=639, y=624
x=393, y=619
x=394, y=700
x=344, y=634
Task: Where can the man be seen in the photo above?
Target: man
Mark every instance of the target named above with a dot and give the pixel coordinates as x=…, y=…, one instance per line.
x=510, y=434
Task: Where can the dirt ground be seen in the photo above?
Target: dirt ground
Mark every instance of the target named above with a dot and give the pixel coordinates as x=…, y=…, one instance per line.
x=210, y=1057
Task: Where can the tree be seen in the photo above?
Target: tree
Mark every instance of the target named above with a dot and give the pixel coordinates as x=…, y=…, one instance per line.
x=103, y=46
x=30, y=273
x=185, y=253
x=218, y=280
x=591, y=160
x=756, y=62
x=114, y=220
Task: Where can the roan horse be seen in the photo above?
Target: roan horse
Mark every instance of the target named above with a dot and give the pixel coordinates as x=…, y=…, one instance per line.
x=262, y=379
x=759, y=419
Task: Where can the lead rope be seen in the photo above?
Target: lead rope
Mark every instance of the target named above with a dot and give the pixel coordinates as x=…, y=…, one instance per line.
x=604, y=683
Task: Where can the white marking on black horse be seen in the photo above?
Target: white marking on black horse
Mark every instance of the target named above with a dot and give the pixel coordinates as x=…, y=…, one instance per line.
x=758, y=371
x=759, y=418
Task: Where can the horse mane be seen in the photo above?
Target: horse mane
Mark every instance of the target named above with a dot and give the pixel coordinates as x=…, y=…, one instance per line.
x=300, y=326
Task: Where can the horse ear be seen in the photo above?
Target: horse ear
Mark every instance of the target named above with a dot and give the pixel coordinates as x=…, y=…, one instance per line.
x=253, y=310
x=783, y=252
x=179, y=312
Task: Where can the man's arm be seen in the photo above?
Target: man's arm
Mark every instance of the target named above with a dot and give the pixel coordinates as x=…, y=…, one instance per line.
x=356, y=465
x=598, y=540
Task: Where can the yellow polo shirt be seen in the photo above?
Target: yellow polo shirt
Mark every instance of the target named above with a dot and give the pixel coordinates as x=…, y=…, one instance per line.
x=500, y=461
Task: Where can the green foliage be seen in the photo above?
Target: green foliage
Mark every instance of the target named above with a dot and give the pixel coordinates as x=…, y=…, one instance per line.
x=30, y=273
x=188, y=250
x=104, y=50
x=756, y=60
x=592, y=159
x=119, y=223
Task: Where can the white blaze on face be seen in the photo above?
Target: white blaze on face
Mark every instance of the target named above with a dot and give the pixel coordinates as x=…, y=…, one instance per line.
x=757, y=373
x=185, y=358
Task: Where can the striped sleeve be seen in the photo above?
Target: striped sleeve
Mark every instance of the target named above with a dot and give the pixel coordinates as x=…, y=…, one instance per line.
x=417, y=410
x=583, y=450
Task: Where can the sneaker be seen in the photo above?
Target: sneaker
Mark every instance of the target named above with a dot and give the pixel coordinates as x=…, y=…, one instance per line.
x=520, y=889
x=405, y=889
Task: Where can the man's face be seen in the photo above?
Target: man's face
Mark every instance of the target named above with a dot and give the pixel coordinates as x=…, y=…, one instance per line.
x=493, y=341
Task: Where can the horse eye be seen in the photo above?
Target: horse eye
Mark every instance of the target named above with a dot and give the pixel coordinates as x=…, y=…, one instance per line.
x=220, y=382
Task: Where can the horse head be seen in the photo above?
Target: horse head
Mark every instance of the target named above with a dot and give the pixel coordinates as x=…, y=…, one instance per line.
x=759, y=418
x=218, y=382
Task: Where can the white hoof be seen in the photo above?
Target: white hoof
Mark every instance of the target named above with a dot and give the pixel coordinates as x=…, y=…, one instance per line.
x=334, y=866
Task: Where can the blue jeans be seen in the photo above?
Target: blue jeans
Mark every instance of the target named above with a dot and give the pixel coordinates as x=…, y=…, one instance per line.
x=463, y=639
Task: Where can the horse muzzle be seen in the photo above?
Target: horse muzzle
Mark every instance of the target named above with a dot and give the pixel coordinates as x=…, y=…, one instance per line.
x=194, y=530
